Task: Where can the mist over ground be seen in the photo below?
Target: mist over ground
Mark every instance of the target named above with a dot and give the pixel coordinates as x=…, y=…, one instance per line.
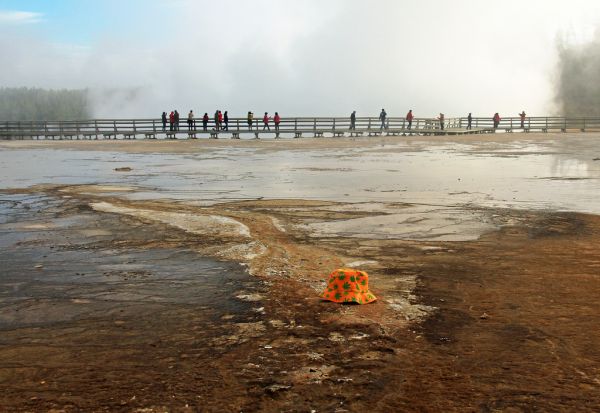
x=300, y=57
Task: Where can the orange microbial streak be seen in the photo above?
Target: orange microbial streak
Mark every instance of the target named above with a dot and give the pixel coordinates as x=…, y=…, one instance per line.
x=348, y=286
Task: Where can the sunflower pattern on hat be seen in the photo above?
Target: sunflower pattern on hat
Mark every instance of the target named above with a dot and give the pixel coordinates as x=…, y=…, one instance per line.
x=348, y=286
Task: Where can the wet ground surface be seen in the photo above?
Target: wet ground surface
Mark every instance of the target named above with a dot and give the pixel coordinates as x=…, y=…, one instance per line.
x=126, y=294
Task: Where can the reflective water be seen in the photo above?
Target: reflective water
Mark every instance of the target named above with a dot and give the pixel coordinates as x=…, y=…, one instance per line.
x=553, y=174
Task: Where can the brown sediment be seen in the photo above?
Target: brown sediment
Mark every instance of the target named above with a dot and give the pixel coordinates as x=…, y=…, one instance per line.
x=505, y=322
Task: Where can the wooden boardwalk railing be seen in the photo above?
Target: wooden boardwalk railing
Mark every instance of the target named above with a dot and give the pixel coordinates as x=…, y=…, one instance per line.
x=292, y=127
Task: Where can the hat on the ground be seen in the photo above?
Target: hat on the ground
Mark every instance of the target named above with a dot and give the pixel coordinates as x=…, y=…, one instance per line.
x=346, y=285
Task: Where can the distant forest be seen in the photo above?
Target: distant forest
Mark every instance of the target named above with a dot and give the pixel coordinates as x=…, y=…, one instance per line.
x=43, y=104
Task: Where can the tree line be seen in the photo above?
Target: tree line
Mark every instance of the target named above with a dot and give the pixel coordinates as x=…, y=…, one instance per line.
x=43, y=104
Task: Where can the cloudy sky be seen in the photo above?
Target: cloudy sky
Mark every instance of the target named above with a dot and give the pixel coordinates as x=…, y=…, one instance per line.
x=299, y=57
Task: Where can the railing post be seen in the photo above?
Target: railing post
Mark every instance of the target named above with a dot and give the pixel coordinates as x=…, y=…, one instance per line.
x=154, y=125
x=333, y=123
x=134, y=128
x=546, y=124
x=237, y=124
x=295, y=124
x=315, y=124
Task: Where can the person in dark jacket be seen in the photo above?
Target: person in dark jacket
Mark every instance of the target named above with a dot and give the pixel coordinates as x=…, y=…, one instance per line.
x=353, y=120
x=164, y=121
x=226, y=120
x=250, y=119
x=205, y=120
x=469, y=121
x=216, y=119
x=176, y=120
x=382, y=118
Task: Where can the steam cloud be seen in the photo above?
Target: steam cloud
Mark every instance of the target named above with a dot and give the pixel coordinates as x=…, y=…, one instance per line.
x=578, y=79
x=310, y=57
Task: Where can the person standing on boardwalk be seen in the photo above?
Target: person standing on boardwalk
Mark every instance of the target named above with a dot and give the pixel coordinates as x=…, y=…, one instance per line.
x=190, y=121
x=409, y=119
x=205, y=120
x=353, y=120
x=176, y=120
x=220, y=117
x=469, y=121
x=522, y=116
x=277, y=121
x=216, y=119
x=164, y=121
x=266, y=122
x=496, y=119
x=226, y=120
x=172, y=121
x=382, y=117
x=441, y=119
x=250, y=119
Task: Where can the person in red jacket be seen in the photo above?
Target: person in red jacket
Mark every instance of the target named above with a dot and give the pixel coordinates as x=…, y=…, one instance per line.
x=496, y=120
x=220, y=118
x=409, y=118
x=266, y=122
x=171, y=121
x=277, y=121
x=205, y=120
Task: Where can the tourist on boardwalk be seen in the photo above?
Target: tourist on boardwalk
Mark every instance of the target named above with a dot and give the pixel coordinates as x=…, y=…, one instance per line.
x=216, y=119
x=409, y=119
x=205, y=120
x=441, y=119
x=382, y=117
x=353, y=120
x=220, y=117
x=277, y=121
x=226, y=120
x=250, y=119
x=496, y=120
x=469, y=121
x=190, y=121
x=522, y=116
x=172, y=121
x=266, y=122
x=176, y=120
x=164, y=121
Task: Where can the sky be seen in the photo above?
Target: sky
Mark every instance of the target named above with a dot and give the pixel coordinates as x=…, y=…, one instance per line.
x=297, y=57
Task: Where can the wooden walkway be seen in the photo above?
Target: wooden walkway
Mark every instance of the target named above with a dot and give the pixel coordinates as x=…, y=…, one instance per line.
x=238, y=128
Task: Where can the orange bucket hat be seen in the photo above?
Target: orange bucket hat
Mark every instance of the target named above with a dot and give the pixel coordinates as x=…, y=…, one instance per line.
x=348, y=286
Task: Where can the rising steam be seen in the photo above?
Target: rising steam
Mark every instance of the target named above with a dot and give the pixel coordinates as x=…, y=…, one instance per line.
x=578, y=79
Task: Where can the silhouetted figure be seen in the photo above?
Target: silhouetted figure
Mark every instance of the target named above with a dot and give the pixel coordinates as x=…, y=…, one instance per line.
x=382, y=117
x=164, y=121
x=250, y=119
x=172, y=121
x=216, y=119
x=176, y=120
x=205, y=120
x=409, y=119
x=277, y=121
x=353, y=120
x=469, y=121
x=496, y=120
x=190, y=121
x=266, y=122
x=226, y=120
x=441, y=119
x=522, y=116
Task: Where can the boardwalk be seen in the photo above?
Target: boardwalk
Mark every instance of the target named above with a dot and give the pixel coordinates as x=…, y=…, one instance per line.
x=238, y=128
